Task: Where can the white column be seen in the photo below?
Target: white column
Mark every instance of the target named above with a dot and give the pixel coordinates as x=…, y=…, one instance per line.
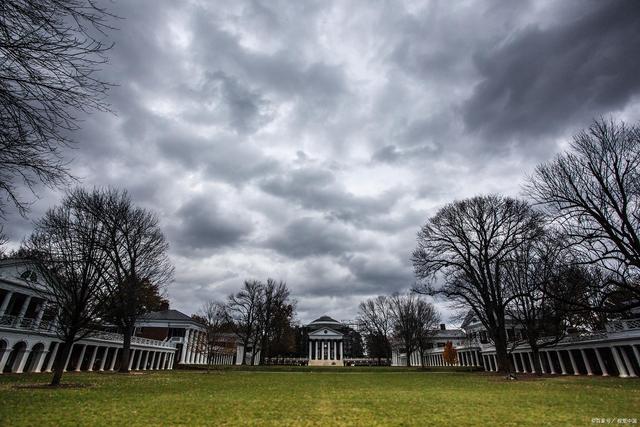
x=5, y=302
x=341, y=351
x=309, y=349
x=153, y=360
x=52, y=358
x=66, y=362
x=113, y=359
x=551, y=367
x=23, y=361
x=3, y=358
x=93, y=358
x=515, y=363
x=185, y=344
x=585, y=359
x=79, y=364
x=192, y=336
x=495, y=361
x=132, y=354
x=574, y=365
x=140, y=359
x=25, y=305
x=40, y=314
x=636, y=353
x=621, y=368
x=317, y=358
x=40, y=360
x=523, y=363
x=603, y=368
x=559, y=354
x=541, y=360
x=146, y=359
x=105, y=353
x=630, y=369
x=533, y=369
x=196, y=350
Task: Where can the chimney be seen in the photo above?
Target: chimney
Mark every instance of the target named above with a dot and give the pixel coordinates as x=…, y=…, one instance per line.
x=443, y=327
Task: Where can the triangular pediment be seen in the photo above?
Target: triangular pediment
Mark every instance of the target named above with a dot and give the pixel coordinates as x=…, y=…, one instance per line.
x=325, y=332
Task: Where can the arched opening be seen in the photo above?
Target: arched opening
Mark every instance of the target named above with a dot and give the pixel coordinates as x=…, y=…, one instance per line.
x=34, y=358
x=15, y=357
x=3, y=350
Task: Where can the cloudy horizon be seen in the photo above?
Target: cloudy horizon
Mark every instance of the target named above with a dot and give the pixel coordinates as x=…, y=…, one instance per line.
x=309, y=141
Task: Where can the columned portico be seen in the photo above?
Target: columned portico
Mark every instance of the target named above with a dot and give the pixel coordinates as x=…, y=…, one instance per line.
x=328, y=345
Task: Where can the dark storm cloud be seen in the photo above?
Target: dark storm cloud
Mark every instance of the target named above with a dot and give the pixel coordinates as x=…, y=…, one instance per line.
x=203, y=226
x=318, y=189
x=542, y=79
x=308, y=141
x=223, y=99
x=382, y=275
x=222, y=157
x=313, y=237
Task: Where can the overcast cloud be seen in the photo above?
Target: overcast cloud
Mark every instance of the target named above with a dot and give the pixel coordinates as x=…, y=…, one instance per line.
x=309, y=140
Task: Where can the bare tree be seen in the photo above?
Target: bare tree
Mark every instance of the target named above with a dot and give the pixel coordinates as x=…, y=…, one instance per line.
x=50, y=52
x=138, y=267
x=427, y=321
x=213, y=316
x=593, y=193
x=67, y=243
x=375, y=321
x=462, y=252
x=537, y=286
x=406, y=323
x=275, y=315
x=243, y=311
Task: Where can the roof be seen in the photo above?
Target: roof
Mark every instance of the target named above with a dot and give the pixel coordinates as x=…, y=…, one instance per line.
x=449, y=333
x=171, y=315
x=325, y=320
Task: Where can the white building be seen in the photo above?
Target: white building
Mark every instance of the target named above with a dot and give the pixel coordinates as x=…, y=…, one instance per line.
x=28, y=342
x=613, y=351
x=188, y=336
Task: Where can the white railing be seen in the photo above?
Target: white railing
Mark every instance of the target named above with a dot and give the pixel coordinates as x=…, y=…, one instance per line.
x=623, y=325
x=16, y=322
x=112, y=336
x=147, y=341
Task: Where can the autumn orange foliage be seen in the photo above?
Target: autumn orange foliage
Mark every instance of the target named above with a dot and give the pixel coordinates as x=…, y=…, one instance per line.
x=450, y=354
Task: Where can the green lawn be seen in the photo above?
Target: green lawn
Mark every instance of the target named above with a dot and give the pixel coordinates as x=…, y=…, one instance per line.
x=323, y=397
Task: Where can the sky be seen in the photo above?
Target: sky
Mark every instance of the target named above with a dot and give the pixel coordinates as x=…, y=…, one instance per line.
x=308, y=141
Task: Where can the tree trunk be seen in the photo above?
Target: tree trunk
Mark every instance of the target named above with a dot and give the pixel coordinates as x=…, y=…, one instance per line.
x=535, y=354
x=408, y=358
x=244, y=354
x=126, y=350
x=253, y=356
x=502, y=356
x=59, y=365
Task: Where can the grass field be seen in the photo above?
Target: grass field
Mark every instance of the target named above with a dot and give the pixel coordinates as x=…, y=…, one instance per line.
x=378, y=396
